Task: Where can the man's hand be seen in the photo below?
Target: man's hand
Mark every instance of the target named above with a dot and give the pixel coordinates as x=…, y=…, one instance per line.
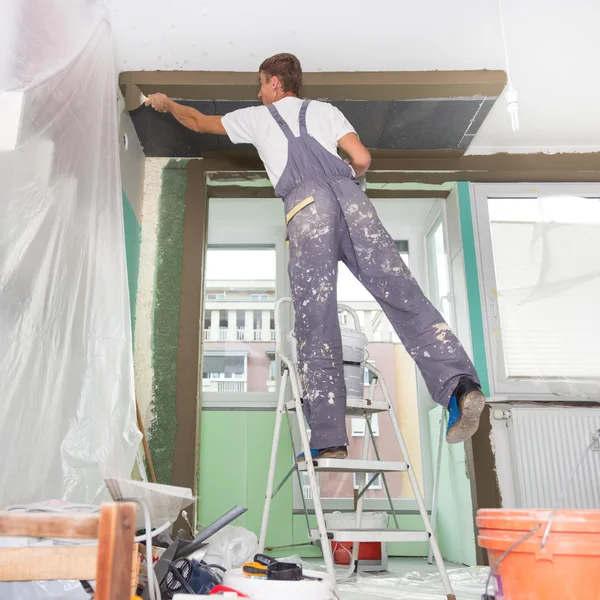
x=159, y=102
x=359, y=156
x=186, y=115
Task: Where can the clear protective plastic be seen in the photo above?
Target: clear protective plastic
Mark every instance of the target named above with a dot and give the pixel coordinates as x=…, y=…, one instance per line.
x=67, y=408
x=409, y=579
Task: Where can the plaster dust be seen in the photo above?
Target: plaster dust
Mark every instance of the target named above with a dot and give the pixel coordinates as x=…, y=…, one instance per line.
x=145, y=295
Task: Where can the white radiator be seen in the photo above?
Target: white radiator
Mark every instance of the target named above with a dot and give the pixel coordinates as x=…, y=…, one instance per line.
x=546, y=445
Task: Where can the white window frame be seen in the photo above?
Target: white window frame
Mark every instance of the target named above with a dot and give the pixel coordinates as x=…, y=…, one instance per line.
x=501, y=387
x=359, y=425
x=439, y=217
x=376, y=485
x=241, y=235
x=221, y=376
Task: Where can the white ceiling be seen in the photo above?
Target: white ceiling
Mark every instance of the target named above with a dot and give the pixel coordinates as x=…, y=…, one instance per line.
x=553, y=46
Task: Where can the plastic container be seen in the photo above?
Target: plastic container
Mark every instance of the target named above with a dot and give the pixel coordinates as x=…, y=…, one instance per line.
x=265, y=589
x=568, y=568
x=367, y=551
x=354, y=344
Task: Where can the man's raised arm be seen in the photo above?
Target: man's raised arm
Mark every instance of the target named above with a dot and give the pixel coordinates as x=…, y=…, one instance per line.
x=186, y=115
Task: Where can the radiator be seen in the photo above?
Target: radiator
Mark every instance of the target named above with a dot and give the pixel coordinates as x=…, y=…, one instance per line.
x=546, y=445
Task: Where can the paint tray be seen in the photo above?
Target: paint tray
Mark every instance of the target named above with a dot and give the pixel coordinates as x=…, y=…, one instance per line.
x=164, y=502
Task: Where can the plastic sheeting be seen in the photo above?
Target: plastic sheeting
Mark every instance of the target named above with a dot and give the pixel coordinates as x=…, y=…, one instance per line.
x=409, y=579
x=67, y=411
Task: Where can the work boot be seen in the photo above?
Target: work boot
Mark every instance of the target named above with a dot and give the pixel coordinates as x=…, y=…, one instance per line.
x=465, y=409
x=333, y=452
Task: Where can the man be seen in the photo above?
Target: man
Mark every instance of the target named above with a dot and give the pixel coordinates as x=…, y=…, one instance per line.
x=329, y=218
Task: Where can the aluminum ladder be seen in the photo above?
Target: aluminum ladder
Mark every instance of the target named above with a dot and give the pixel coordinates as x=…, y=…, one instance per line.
x=364, y=408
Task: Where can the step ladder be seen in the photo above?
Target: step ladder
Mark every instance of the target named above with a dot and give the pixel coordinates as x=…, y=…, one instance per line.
x=355, y=408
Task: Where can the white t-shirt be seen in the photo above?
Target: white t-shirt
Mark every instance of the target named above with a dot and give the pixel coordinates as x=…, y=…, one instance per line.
x=256, y=126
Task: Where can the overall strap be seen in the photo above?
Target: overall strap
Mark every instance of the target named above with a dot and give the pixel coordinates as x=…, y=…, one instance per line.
x=303, y=108
x=281, y=122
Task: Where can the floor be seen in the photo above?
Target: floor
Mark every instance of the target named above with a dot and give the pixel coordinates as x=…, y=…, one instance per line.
x=412, y=579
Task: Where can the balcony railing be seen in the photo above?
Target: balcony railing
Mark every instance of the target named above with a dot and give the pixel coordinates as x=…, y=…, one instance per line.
x=239, y=335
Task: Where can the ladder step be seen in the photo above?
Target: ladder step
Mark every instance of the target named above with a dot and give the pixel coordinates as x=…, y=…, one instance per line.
x=372, y=535
x=348, y=465
x=354, y=408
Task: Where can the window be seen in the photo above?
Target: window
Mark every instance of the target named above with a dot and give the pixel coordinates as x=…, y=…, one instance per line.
x=540, y=254
x=237, y=337
x=224, y=372
x=439, y=272
x=376, y=485
x=306, y=489
x=259, y=297
x=359, y=426
x=368, y=373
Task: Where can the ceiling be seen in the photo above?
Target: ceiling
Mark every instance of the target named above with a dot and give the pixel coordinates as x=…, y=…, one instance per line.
x=553, y=48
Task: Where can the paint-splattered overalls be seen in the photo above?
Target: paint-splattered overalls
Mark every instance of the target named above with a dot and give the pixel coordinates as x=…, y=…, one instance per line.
x=330, y=219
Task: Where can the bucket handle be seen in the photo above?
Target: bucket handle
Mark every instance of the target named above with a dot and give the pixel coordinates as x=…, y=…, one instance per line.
x=352, y=313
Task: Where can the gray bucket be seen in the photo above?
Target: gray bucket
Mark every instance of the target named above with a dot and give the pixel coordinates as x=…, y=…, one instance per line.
x=354, y=345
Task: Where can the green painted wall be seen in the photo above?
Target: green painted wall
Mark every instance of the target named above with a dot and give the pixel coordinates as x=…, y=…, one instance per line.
x=472, y=276
x=133, y=237
x=454, y=530
x=165, y=318
x=235, y=449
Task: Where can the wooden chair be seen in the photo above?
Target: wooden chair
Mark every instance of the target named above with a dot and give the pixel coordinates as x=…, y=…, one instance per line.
x=110, y=563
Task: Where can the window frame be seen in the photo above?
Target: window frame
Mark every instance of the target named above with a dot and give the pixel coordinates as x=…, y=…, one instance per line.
x=362, y=431
x=376, y=485
x=253, y=239
x=501, y=387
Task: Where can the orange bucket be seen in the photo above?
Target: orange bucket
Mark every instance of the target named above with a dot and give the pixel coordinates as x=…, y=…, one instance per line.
x=568, y=568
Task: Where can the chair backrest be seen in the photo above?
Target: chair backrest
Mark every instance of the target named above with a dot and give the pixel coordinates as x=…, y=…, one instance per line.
x=109, y=563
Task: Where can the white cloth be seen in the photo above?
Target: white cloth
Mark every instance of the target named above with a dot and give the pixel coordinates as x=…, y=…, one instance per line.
x=256, y=126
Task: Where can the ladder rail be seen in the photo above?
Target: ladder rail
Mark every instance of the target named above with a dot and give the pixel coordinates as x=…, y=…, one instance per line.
x=300, y=486
x=415, y=487
x=436, y=481
x=272, y=464
x=312, y=476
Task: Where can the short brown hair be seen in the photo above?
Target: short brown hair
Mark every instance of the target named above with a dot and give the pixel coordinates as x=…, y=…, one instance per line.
x=287, y=68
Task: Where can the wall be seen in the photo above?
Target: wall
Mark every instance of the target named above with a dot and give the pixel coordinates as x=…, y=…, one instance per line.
x=133, y=234
x=131, y=160
x=165, y=317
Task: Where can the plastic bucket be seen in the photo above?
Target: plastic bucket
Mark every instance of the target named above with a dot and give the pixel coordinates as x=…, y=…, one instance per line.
x=353, y=353
x=342, y=551
x=568, y=568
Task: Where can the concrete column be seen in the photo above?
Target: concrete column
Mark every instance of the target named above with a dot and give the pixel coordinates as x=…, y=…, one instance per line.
x=214, y=325
x=266, y=326
x=231, y=326
x=248, y=325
